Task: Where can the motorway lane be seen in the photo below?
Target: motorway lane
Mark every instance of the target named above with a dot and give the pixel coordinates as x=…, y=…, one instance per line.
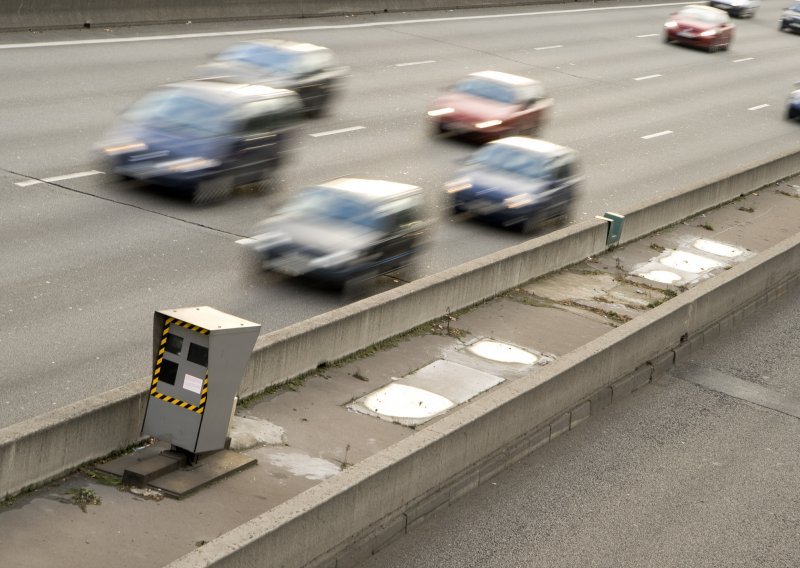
x=119, y=252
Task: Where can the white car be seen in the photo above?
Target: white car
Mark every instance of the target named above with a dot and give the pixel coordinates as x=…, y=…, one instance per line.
x=737, y=8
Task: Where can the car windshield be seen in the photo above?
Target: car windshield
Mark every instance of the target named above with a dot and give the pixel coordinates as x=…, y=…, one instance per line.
x=174, y=109
x=325, y=203
x=705, y=16
x=509, y=159
x=483, y=88
x=795, y=7
x=265, y=56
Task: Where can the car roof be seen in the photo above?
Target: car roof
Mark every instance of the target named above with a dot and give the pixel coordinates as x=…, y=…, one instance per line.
x=533, y=145
x=501, y=77
x=222, y=91
x=703, y=8
x=288, y=45
x=370, y=189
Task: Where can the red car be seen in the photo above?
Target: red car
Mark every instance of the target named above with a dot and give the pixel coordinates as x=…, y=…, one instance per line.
x=490, y=105
x=700, y=26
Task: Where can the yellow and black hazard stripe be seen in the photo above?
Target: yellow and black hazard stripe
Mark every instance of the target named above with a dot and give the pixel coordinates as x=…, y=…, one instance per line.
x=162, y=347
x=183, y=404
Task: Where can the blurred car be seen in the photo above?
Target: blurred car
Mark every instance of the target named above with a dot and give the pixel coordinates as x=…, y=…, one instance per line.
x=700, y=26
x=790, y=19
x=738, y=8
x=344, y=230
x=204, y=138
x=793, y=105
x=307, y=69
x=491, y=104
x=517, y=181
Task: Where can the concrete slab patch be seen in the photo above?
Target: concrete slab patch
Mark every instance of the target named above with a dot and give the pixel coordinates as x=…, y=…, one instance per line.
x=428, y=392
x=300, y=464
x=718, y=249
x=689, y=262
x=502, y=352
x=398, y=361
x=615, y=310
x=569, y=285
x=465, y=355
x=403, y=404
x=633, y=296
x=250, y=431
x=548, y=330
x=458, y=383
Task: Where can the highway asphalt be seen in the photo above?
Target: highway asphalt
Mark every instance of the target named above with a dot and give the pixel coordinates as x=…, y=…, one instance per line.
x=86, y=261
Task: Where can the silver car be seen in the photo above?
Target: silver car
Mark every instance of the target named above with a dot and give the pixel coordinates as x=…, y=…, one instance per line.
x=737, y=8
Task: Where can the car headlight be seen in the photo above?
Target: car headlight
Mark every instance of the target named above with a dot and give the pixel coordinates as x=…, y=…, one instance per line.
x=190, y=164
x=334, y=259
x=441, y=111
x=708, y=33
x=518, y=201
x=457, y=185
x=125, y=148
x=671, y=24
x=488, y=124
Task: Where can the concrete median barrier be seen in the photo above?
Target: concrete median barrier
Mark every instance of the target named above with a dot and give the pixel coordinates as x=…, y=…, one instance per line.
x=89, y=429
x=43, y=14
x=348, y=517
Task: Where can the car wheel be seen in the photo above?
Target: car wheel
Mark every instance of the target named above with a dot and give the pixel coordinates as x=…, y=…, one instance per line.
x=267, y=182
x=724, y=46
x=531, y=225
x=781, y=26
x=358, y=287
x=790, y=114
x=213, y=189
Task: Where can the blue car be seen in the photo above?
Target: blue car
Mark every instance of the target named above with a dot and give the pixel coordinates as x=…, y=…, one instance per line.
x=790, y=19
x=344, y=231
x=204, y=137
x=793, y=106
x=517, y=182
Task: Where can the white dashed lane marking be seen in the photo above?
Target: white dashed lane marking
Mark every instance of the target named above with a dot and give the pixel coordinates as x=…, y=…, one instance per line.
x=744, y=59
x=647, y=77
x=757, y=107
x=340, y=131
x=415, y=63
x=30, y=182
x=657, y=134
x=648, y=35
x=547, y=47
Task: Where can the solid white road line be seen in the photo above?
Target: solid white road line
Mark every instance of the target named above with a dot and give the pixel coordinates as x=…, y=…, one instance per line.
x=648, y=35
x=744, y=59
x=646, y=77
x=547, y=47
x=245, y=241
x=758, y=107
x=340, y=131
x=329, y=27
x=57, y=178
x=414, y=63
x=657, y=134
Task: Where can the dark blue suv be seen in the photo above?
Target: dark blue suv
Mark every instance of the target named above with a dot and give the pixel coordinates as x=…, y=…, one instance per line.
x=517, y=182
x=204, y=137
